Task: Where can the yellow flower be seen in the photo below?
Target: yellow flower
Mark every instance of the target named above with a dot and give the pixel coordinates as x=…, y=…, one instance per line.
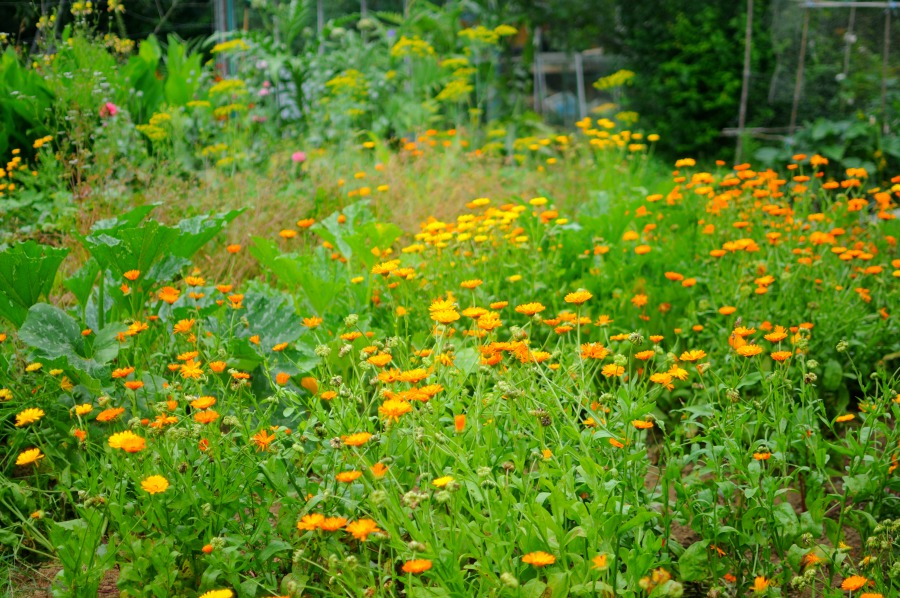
x=33, y=367
x=442, y=481
x=155, y=484
x=578, y=297
x=218, y=594
x=83, y=409
x=28, y=416
x=28, y=457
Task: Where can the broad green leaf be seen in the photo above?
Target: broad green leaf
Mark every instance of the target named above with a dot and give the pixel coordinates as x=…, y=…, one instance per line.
x=27, y=271
x=54, y=334
x=694, y=562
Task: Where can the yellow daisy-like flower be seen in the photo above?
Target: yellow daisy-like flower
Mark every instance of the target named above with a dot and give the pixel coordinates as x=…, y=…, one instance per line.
x=28, y=416
x=218, y=594
x=83, y=409
x=442, y=481
x=28, y=457
x=155, y=484
x=578, y=297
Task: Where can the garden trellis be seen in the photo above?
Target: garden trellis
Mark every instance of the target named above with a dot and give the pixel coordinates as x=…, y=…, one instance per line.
x=859, y=20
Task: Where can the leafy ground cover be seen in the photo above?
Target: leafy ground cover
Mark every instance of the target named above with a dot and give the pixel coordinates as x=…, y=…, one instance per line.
x=617, y=390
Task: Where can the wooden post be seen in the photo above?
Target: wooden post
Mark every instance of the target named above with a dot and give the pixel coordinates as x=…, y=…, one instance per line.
x=745, y=86
x=798, y=85
x=579, y=83
x=884, y=70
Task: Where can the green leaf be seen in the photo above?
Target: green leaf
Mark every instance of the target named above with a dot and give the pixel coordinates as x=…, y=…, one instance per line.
x=693, y=563
x=54, y=334
x=27, y=271
x=82, y=282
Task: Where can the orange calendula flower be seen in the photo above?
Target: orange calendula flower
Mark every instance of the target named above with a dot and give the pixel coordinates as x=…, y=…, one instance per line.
x=206, y=417
x=611, y=369
x=639, y=300
x=459, y=423
x=853, y=583
x=281, y=378
x=693, y=355
x=379, y=470
x=217, y=366
x=183, y=326
x=844, y=418
x=641, y=424
x=203, y=402
x=362, y=528
x=313, y=322
x=122, y=372
x=262, y=440
x=749, y=350
x=529, y=309
x=616, y=443
x=600, y=562
x=762, y=456
x=416, y=566
x=155, y=484
x=134, y=384
x=332, y=524
x=127, y=441
x=538, y=559
x=781, y=355
x=358, y=439
x=578, y=297
x=233, y=248
x=760, y=584
x=169, y=295
x=310, y=522
x=393, y=409
x=132, y=275
x=727, y=310
x=471, y=284
x=107, y=415
x=346, y=477
x=191, y=369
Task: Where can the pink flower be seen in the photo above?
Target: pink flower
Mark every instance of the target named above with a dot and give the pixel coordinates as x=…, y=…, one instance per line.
x=108, y=109
x=298, y=157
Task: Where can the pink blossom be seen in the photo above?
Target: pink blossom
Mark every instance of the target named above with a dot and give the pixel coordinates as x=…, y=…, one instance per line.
x=108, y=109
x=298, y=157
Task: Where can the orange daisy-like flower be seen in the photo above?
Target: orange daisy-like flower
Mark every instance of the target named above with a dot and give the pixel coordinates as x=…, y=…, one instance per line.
x=844, y=418
x=29, y=456
x=529, y=309
x=379, y=470
x=641, y=424
x=107, y=415
x=313, y=322
x=310, y=522
x=122, y=372
x=328, y=395
x=217, y=366
x=169, y=295
x=538, y=559
x=134, y=384
x=127, y=441
x=203, y=402
x=132, y=275
x=191, y=370
x=281, y=378
x=380, y=360
x=762, y=456
x=393, y=409
x=853, y=583
x=693, y=355
x=332, y=524
x=578, y=297
x=358, y=439
x=362, y=528
x=262, y=440
x=760, y=584
x=727, y=310
x=471, y=284
x=611, y=369
x=781, y=355
x=749, y=350
x=644, y=355
x=206, y=417
x=416, y=566
x=183, y=326
x=639, y=300
x=346, y=477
